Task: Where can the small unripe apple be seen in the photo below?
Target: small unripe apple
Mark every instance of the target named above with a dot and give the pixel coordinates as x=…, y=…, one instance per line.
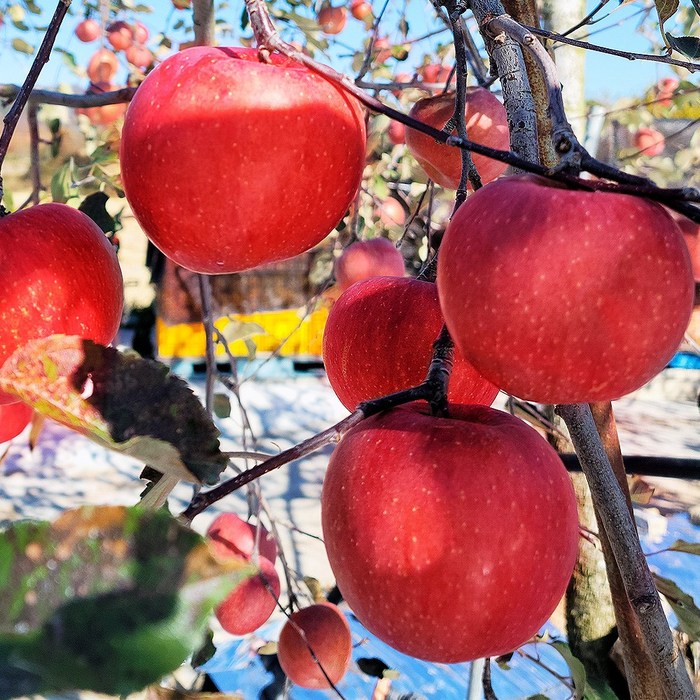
x=377, y=257
x=103, y=66
x=564, y=296
x=487, y=124
x=391, y=212
x=139, y=56
x=251, y=603
x=450, y=538
x=649, y=142
x=360, y=9
x=378, y=339
x=230, y=535
x=14, y=418
x=58, y=274
x=396, y=132
x=120, y=35
x=108, y=114
x=331, y=19
x=273, y=215
x=327, y=632
x=88, y=30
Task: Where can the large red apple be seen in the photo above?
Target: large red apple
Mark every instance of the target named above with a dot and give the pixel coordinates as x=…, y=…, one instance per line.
x=450, y=538
x=327, y=632
x=376, y=257
x=487, y=124
x=229, y=163
x=58, y=274
x=378, y=339
x=230, y=535
x=564, y=296
x=251, y=603
x=14, y=418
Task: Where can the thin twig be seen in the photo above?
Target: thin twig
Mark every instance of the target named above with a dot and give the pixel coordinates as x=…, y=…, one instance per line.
x=43, y=54
x=9, y=92
x=629, y=55
x=208, y=320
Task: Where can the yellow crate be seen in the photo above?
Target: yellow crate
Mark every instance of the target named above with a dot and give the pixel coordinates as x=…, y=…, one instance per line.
x=287, y=332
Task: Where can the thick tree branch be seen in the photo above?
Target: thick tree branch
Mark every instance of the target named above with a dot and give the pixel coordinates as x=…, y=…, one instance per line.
x=64, y=99
x=41, y=58
x=203, y=18
x=612, y=509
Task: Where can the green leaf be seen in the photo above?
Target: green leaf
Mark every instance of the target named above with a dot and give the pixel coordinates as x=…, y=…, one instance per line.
x=22, y=46
x=539, y=696
x=62, y=183
x=32, y=7
x=598, y=690
x=108, y=599
x=578, y=672
x=68, y=58
x=240, y=330
x=687, y=547
x=682, y=604
x=687, y=45
x=119, y=400
x=665, y=9
x=222, y=406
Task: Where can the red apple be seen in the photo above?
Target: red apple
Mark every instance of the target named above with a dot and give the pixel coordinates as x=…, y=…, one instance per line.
x=14, y=418
x=450, y=538
x=391, y=212
x=103, y=66
x=182, y=4
x=88, y=30
x=58, y=274
x=139, y=56
x=251, y=603
x=487, y=124
x=141, y=33
x=230, y=535
x=378, y=339
x=377, y=257
x=327, y=632
x=436, y=74
x=108, y=114
x=665, y=89
x=299, y=145
x=691, y=234
x=360, y=9
x=561, y=295
x=396, y=132
x=649, y=142
x=120, y=35
x=332, y=19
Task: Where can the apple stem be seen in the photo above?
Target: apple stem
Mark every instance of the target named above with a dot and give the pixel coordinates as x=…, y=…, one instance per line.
x=43, y=54
x=612, y=510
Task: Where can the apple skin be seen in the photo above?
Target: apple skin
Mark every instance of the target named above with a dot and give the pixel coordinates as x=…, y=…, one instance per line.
x=285, y=125
x=139, y=56
x=390, y=212
x=691, y=234
x=487, y=124
x=377, y=257
x=649, y=141
x=396, y=133
x=360, y=9
x=250, y=604
x=141, y=33
x=327, y=632
x=378, y=339
x=58, y=274
x=88, y=30
x=14, y=418
x=453, y=538
x=102, y=66
x=230, y=535
x=564, y=296
x=332, y=20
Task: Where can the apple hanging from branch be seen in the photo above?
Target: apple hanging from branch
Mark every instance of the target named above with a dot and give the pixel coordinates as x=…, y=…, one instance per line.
x=450, y=538
x=376, y=257
x=378, y=339
x=564, y=296
x=264, y=173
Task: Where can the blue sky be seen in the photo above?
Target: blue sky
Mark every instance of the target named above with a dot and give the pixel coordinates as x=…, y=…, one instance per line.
x=607, y=77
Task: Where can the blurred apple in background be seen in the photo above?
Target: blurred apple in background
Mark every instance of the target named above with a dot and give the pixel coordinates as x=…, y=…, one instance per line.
x=376, y=257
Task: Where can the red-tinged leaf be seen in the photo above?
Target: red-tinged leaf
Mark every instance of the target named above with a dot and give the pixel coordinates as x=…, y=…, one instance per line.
x=665, y=9
x=119, y=400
